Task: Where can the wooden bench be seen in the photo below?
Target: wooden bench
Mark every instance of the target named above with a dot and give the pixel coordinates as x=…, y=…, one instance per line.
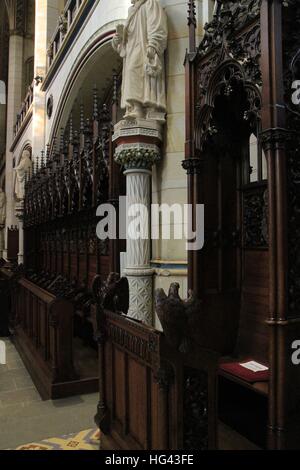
x=44, y=338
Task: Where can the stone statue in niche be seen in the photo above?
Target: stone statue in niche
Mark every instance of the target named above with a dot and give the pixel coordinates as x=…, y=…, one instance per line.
x=2, y=208
x=23, y=167
x=141, y=43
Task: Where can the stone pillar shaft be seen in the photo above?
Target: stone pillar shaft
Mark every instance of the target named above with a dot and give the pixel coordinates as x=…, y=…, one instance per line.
x=14, y=99
x=138, y=270
x=46, y=14
x=138, y=192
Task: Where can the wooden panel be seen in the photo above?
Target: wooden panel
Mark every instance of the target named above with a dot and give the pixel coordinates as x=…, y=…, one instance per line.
x=59, y=262
x=73, y=266
x=66, y=264
x=142, y=400
x=253, y=331
x=43, y=331
x=12, y=244
x=92, y=269
x=137, y=402
x=82, y=275
x=44, y=337
x=119, y=381
x=155, y=417
x=108, y=382
x=104, y=266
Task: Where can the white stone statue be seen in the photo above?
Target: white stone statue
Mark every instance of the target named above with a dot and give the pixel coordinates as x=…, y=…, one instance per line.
x=141, y=43
x=23, y=167
x=2, y=208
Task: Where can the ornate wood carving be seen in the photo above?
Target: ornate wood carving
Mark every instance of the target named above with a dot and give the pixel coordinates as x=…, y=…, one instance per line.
x=141, y=373
x=253, y=47
x=291, y=141
x=195, y=404
x=67, y=184
x=255, y=218
x=113, y=294
x=185, y=324
x=173, y=315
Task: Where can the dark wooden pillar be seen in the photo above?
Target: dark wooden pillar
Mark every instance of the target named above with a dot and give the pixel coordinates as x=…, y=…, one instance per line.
x=164, y=378
x=114, y=182
x=273, y=138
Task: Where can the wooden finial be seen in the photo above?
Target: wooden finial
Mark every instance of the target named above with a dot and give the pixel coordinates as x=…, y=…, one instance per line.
x=81, y=118
x=192, y=24
x=95, y=104
x=192, y=13
x=115, y=87
x=42, y=159
x=47, y=153
x=71, y=128
x=62, y=140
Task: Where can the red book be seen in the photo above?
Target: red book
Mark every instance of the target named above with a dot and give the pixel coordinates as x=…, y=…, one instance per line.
x=248, y=370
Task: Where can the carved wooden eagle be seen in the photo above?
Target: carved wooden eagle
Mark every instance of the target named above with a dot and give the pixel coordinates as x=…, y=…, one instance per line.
x=112, y=294
x=178, y=317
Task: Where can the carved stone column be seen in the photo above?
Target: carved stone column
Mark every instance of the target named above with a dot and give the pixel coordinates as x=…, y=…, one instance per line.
x=14, y=99
x=137, y=149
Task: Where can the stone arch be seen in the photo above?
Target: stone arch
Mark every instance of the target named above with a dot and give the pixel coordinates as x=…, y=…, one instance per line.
x=97, y=51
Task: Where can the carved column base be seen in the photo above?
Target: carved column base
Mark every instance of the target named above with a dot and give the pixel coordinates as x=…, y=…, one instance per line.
x=140, y=294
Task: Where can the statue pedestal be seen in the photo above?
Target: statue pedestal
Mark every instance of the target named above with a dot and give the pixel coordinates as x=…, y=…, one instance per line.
x=138, y=145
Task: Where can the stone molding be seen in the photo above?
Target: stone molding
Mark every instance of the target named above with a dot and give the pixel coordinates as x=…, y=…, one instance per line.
x=138, y=127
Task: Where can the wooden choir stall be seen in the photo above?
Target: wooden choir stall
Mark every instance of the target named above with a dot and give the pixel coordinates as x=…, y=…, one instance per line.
x=52, y=318
x=242, y=161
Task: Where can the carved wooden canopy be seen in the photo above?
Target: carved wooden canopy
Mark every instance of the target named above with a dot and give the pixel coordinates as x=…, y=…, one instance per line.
x=228, y=55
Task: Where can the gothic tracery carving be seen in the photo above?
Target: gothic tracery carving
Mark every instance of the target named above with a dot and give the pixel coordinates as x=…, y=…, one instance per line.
x=229, y=54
